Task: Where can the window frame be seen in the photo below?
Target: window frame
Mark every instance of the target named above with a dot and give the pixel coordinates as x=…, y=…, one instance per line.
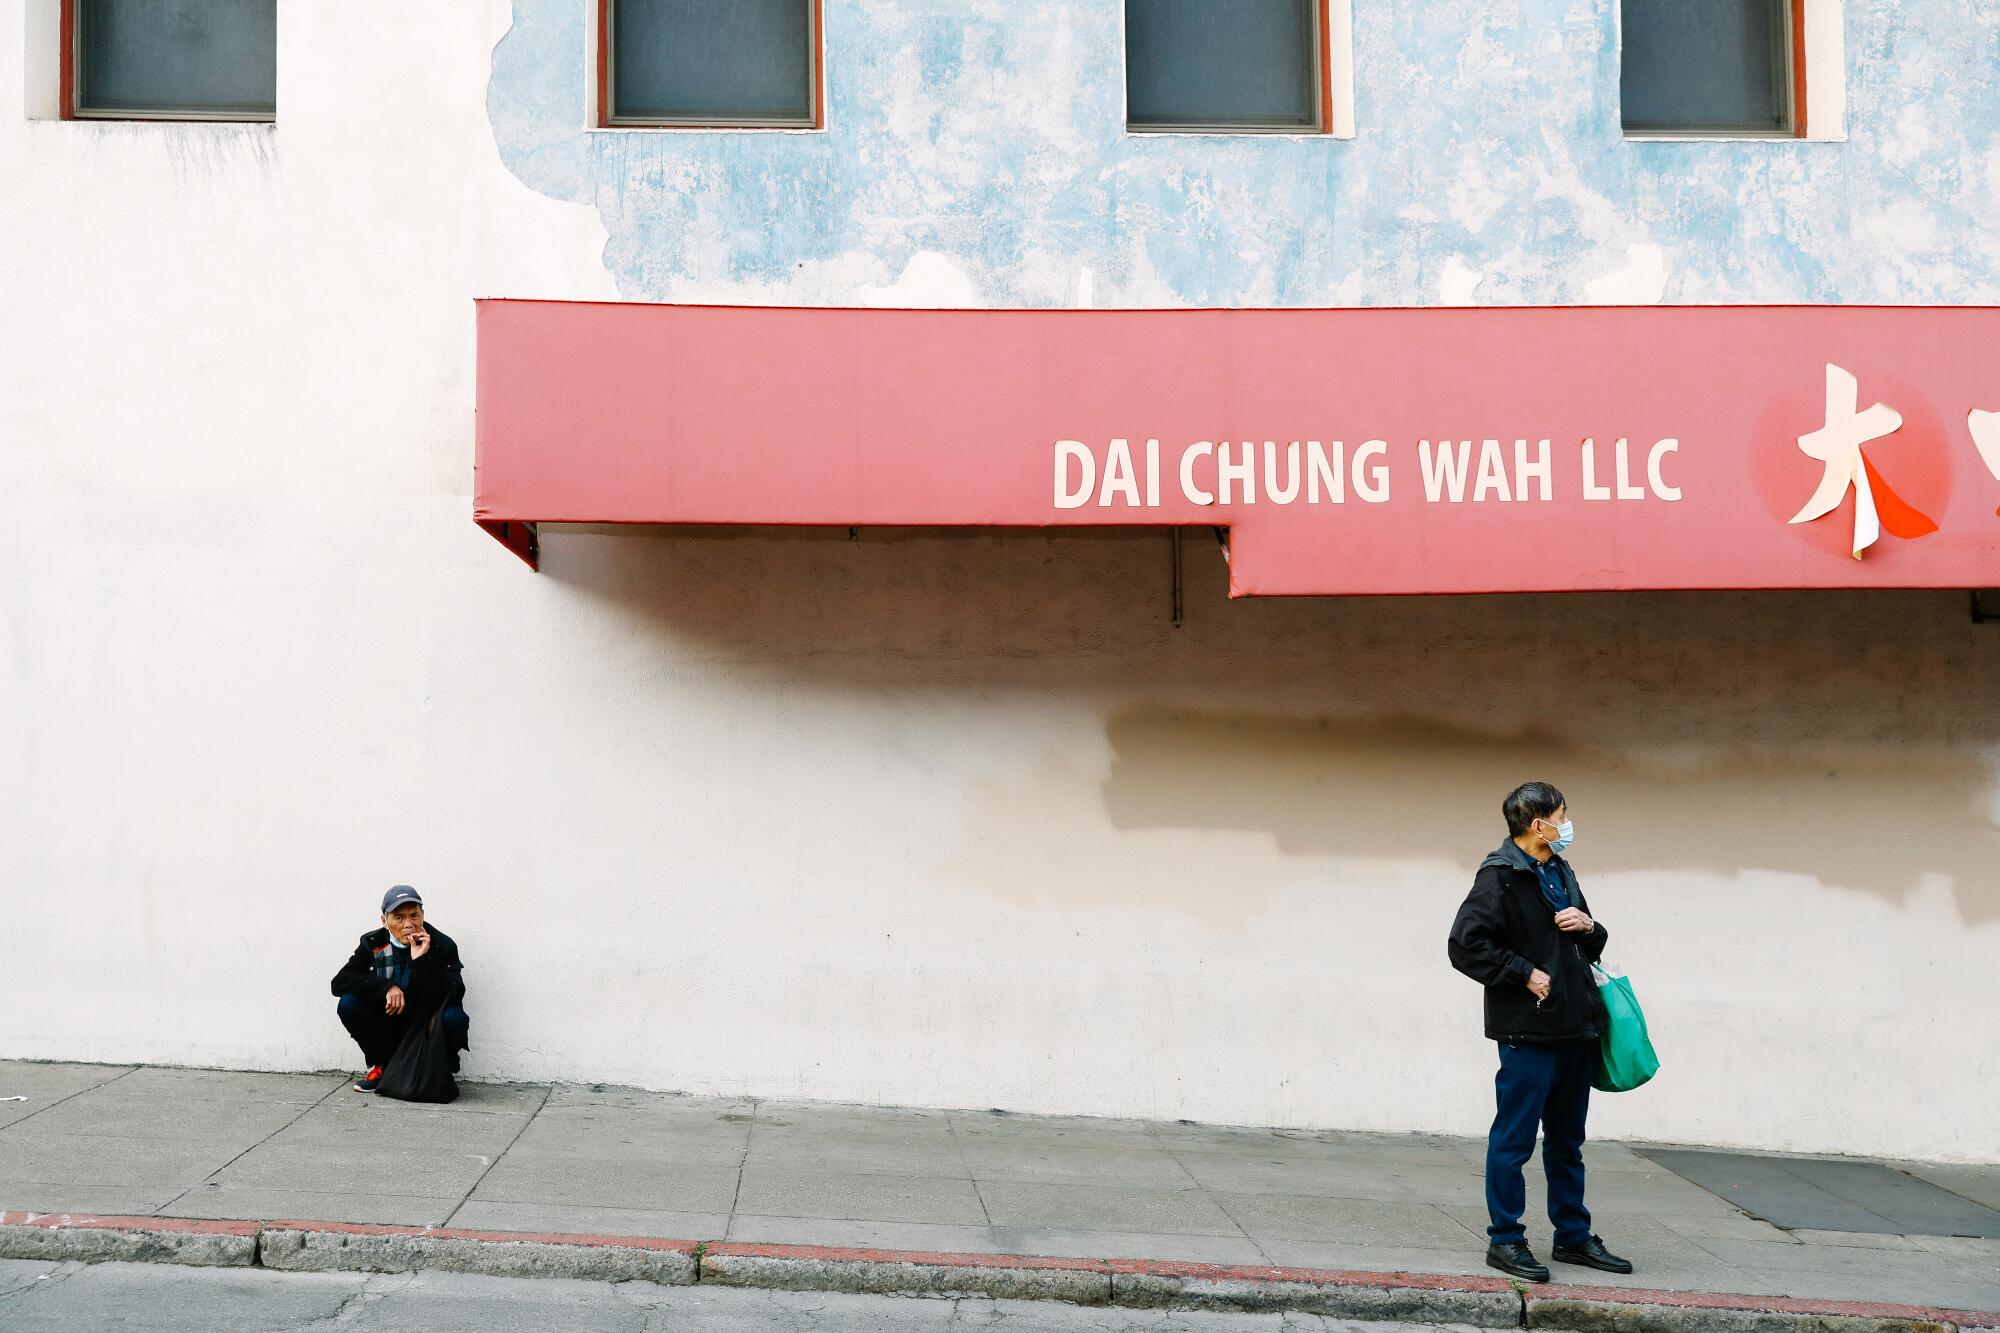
x=1322, y=83
x=70, y=18
x=1793, y=71
x=815, y=75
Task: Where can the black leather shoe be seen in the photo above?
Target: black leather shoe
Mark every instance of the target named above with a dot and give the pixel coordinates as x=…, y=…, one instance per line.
x=1515, y=1259
x=1591, y=1254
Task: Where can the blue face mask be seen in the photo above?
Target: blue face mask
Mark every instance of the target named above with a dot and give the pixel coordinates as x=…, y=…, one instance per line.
x=1565, y=835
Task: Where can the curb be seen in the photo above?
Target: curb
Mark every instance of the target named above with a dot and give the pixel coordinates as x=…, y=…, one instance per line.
x=1585, y=1309
x=1480, y=1301
x=303, y=1246
x=134, y=1240
x=906, y=1273
x=320, y=1247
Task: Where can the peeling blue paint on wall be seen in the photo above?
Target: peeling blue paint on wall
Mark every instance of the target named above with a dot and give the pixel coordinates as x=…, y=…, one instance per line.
x=990, y=132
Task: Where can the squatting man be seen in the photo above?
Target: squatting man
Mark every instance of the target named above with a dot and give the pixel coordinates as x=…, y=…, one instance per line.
x=399, y=975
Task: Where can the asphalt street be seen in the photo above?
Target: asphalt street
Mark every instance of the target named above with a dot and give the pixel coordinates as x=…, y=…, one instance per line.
x=169, y=1298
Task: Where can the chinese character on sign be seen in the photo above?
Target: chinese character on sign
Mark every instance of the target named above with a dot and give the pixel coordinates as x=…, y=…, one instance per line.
x=1985, y=428
x=1837, y=444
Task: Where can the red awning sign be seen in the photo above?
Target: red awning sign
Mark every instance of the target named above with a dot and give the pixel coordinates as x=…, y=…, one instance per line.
x=1348, y=451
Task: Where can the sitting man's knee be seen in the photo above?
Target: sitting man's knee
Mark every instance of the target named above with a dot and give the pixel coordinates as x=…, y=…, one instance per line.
x=350, y=1005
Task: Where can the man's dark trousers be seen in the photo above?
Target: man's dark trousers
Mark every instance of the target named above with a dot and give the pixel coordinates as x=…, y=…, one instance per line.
x=379, y=1033
x=1545, y=1085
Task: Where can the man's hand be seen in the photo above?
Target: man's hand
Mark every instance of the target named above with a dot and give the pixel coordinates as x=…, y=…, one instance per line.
x=393, y=1002
x=420, y=944
x=1572, y=918
x=1538, y=982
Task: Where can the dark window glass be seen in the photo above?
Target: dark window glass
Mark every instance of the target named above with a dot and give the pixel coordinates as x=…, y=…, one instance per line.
x=177, y=58
x=1710, y=65
x=1227, y=64
x=712, y=61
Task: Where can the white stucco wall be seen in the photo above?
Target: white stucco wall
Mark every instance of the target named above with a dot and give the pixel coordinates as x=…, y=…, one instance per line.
x=942, y=819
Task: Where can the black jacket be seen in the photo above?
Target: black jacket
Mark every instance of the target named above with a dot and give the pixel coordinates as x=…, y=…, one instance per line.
x=435, y=979
x=1505, y=930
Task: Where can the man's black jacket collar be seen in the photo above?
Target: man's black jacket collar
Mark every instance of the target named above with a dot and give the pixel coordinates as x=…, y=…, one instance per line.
x=1509, y=855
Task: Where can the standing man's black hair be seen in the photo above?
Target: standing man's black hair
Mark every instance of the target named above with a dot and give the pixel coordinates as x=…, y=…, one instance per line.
x=1527, y=803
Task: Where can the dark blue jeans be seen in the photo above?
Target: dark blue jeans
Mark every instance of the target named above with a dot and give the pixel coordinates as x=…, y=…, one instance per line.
x=379, y=1034
x=1547, y=1087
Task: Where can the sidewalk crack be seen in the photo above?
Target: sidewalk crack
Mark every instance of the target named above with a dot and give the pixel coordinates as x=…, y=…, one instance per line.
x=72, y=1096
x=749, y=1135
x=1241, y=1230
x=1209, y=1194
x=547, y=1092
x=1168, y=1148
x=951, y=1124
x=161, y=1211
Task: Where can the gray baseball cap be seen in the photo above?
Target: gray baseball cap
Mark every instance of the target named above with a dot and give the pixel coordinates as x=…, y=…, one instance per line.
x=397, y=896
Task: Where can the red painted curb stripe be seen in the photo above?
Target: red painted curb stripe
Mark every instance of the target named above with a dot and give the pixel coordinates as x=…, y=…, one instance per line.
x=852, y=1254
x=90, y=1222
x=1325, y=1277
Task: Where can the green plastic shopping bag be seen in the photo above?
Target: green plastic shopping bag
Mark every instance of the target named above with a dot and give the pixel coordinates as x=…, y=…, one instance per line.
x=1625, y=1056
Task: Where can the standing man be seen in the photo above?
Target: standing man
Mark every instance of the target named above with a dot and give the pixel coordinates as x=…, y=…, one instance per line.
x=1526, y=934
x=397, y=977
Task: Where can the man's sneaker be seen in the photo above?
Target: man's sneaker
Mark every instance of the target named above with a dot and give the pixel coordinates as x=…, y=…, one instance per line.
x=1591, y=1254
x=1515, y=1259
x=371, y=1080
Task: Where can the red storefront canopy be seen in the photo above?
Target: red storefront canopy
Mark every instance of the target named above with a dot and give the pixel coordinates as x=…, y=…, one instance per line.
x=1346, y=451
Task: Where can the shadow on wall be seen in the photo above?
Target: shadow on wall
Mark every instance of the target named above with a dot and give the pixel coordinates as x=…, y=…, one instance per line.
x=1875, y=820
x=1848, y=736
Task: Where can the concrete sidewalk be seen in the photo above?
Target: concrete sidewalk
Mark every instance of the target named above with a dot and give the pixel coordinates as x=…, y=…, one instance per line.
x=179, y=1143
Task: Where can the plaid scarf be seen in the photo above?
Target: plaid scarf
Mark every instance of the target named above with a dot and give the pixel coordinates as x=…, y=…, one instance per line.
x=393, y=964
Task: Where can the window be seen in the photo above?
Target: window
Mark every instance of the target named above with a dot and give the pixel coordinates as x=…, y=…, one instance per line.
x=709, y=62
x=1720, y=67
x=171, y=59
x=1242, y=65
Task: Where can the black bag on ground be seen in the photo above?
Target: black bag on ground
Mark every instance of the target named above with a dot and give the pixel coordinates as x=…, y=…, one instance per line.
x=421, y=1069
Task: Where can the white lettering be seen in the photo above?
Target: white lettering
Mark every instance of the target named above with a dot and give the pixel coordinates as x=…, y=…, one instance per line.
x=1228, y=470
x=1492, y=472
x=1524, y=470
x=1289, y=492
x=1193, y=492
x=1375, y=488
x=1591, y=490
x=1068, y=451
x=1322, y=471
x=1444, y=470
x=1626, y=490
x=1237, y=471
x=1653, y=477
x=1119, y=478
